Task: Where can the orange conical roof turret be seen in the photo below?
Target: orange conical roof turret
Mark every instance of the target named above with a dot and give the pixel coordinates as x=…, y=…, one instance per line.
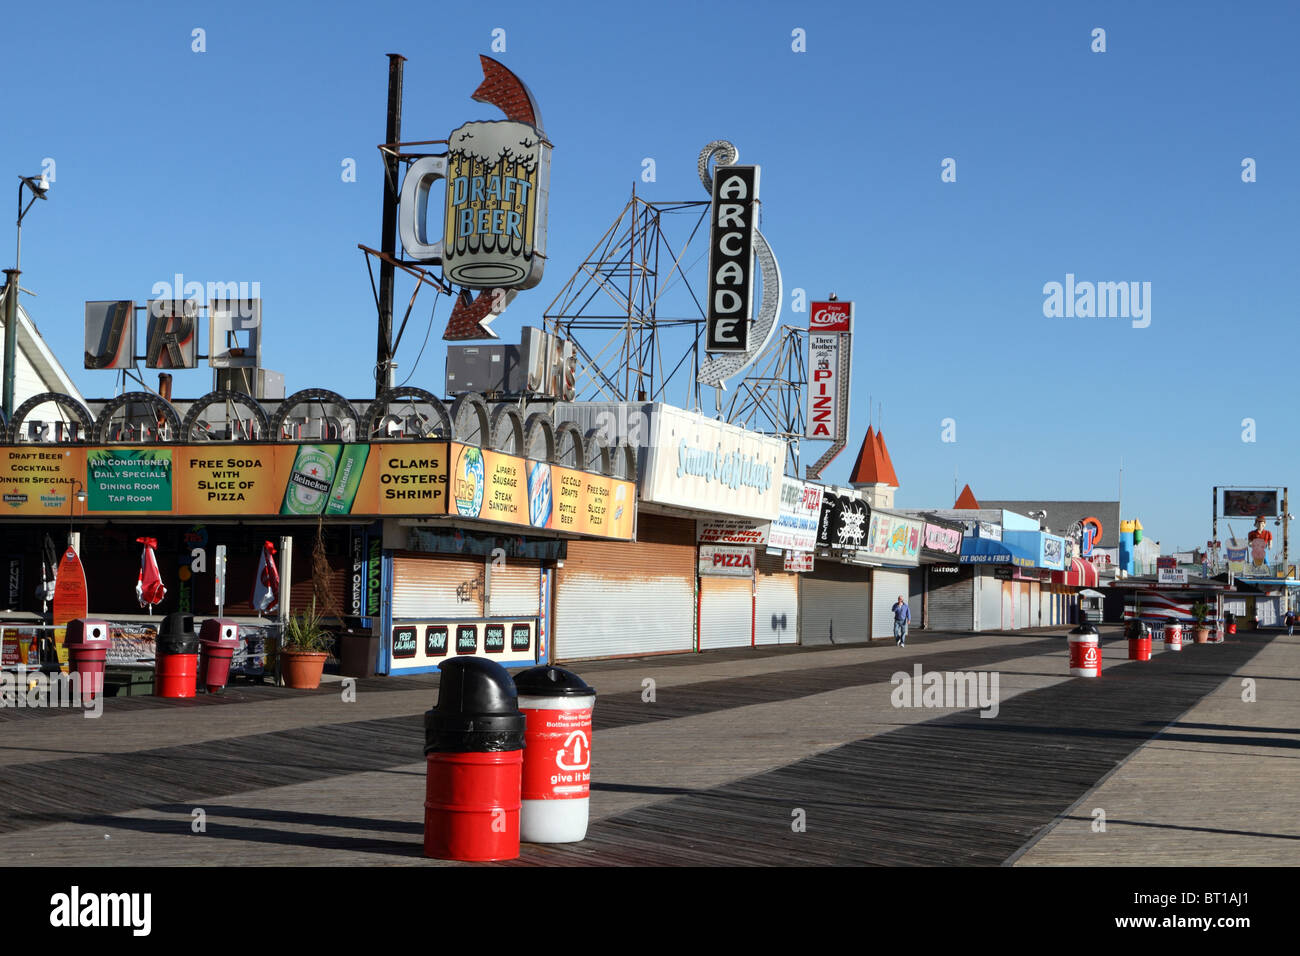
x=873, y=465
x=966, y=499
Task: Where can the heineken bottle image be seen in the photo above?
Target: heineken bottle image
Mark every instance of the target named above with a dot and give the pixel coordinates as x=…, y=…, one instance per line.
x=310, y=480
x=347, y=479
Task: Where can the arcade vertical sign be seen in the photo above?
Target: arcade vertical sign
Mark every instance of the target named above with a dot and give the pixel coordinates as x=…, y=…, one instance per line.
x=731, y=258
x=830, y=352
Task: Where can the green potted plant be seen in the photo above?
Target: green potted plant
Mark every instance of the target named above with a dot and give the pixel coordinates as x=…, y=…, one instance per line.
x=304, y=650
x=1201, y=633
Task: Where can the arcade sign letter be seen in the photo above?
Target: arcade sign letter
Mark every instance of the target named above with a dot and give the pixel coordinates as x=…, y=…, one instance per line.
x=731, y=258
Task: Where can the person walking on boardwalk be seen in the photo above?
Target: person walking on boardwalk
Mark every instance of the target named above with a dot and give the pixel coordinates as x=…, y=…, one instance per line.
x=902, y=614
x=1289, y=621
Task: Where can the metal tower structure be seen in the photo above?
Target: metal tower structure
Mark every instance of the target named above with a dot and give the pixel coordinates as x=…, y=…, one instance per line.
x=610, y=307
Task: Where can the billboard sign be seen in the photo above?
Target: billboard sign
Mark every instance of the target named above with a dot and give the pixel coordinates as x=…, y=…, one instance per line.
x=830, y=317
x=795, y=528
x=733, y=219
x=1250, y=504
x=724, y=560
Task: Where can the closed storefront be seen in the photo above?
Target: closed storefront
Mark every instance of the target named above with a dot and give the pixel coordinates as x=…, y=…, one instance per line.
x=950, y=598
x=619, y=599
x=429, y=585
x=776, y=614
x=916, y=596
x=835, y=605
x=988, y=598
x=887, y=587
x=726, y=612
x=514, y=588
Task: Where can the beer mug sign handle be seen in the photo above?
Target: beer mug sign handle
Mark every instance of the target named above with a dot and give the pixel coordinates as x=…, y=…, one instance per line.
x=413, y=224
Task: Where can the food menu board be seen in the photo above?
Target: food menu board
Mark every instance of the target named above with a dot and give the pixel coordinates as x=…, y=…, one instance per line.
x=407, y=478
x=492, y=486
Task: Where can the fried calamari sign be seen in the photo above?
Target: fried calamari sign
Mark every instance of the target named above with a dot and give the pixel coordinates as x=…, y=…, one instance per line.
x=496, y=180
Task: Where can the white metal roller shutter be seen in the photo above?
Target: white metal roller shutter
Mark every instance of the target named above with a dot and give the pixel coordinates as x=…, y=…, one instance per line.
x=886, y=587
x=726, y=612
x=514, y=589
x=437, y=586
x=834, y=612
x=989, y=597
x=776, y=618
x=620, y=599
x=1022, y=604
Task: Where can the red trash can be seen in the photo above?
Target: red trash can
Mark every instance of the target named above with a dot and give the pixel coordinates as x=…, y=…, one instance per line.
x=176, y=661
x=218, y=641
x=1085, y=651
x=1139, y=641
x=473, y=744
x=88, y=642
x=1173, y=636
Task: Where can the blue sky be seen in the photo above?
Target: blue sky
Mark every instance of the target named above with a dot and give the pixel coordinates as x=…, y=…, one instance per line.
x=1117, y=166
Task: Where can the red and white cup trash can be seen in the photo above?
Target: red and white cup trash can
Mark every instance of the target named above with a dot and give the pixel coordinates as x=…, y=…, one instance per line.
x=557, y=706
x=88, y=642
x=1173, y=636
x=473, y=744
x=218, y=641
x=1085, y=652
x=1139, y=641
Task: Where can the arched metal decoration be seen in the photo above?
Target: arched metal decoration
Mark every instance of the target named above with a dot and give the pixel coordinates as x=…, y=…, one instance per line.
x=625, y=461
x=322, y=397
x=507, y=423
x=716, y=371
x=195, y=429
x=577, y=451
x=538, y=424
x=380, y=414
x=468, y=433
x=13, y=431
x=595, y=446
x=163, y=421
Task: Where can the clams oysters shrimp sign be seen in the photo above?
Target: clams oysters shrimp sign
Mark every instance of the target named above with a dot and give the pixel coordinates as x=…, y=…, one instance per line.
x=715, y=371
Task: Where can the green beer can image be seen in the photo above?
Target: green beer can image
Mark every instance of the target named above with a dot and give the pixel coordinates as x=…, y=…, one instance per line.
x=347, y=479
x=310, y=480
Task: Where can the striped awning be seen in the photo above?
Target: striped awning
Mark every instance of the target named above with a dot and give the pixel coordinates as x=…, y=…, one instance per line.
x=1081, y=574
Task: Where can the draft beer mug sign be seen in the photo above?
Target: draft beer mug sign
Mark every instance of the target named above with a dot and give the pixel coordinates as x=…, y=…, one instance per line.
x=496, y=180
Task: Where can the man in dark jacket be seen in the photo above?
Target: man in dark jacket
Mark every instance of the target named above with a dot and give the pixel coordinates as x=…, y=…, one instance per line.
x=902, y=615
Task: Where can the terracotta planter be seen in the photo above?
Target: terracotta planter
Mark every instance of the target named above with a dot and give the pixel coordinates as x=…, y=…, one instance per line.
x=1201, y=635
x=302, y=669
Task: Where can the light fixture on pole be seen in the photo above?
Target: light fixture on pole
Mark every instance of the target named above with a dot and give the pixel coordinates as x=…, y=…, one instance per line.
x=80, y=495
x=39, y=187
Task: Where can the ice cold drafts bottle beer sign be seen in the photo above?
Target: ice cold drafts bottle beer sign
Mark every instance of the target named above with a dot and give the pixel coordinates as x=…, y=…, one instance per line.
x=731, y=258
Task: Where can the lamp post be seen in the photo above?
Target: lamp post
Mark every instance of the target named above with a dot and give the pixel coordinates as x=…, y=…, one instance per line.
x=39, y=187
x=80, y=495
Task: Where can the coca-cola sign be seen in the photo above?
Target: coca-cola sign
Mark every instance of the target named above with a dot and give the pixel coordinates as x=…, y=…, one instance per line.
x=831, y=317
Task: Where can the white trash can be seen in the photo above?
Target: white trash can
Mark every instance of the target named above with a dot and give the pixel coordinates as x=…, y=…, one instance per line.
x=557, y=706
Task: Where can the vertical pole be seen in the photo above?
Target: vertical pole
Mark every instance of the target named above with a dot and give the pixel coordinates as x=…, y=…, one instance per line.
x=286, y=589
x=1286, y=527
x=11, y=339
x=388, y=228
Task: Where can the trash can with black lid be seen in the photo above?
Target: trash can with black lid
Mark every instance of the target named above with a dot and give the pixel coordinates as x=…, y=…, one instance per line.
x=1139, y=640
x=557, y=706
x=473, y=744
x=176, y=660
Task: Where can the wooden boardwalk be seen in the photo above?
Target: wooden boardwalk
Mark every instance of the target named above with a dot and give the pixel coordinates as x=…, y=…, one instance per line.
x=735, y=746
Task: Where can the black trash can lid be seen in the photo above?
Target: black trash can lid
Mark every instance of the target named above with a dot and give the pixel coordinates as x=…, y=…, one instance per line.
x=177, y=624
x=549, y=681
x=477, y=709
x=1084, y=628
